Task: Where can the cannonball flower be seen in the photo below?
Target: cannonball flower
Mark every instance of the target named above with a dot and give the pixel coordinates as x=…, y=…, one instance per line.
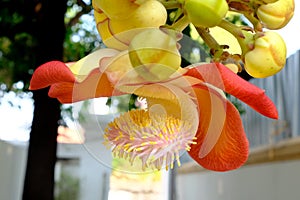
x=267, y=57
x=118, y=21
x=276, y=15
x=188, y=111
x=205, y=13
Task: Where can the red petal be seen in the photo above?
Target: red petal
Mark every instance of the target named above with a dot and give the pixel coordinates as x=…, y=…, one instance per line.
x=50, y=73
x=230, y=150
x=64, y=86
x=223, y=78
x=95, y=85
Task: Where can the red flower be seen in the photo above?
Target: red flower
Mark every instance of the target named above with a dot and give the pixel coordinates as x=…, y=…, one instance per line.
x=188, y=111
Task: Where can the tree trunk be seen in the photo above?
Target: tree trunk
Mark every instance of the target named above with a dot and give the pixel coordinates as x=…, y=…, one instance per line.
x=50, y=32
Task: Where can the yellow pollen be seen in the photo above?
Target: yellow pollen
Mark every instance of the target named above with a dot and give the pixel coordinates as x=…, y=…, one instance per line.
x=155, y=139
x=131, y=138
x=139, y=149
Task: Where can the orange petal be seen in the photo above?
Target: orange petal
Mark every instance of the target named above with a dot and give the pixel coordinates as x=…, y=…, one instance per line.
x=221, y=143
x=96, y=84
x=65, y=88
x=50, y=73
x=223, y=78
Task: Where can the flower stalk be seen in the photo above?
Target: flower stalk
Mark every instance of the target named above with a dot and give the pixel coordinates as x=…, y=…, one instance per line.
x=215, y=49
x=180, y=24
x=244, y=37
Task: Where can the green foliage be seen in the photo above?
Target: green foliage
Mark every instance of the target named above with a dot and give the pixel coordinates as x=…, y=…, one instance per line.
x=15, y=59
x=81, y=34
x=122, y=103
x=67, y=188
x=18, y=39
x=17, y=43
x=236, y=19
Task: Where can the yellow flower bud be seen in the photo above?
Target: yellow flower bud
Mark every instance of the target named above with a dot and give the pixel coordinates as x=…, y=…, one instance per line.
x=117, y=33
x=205, y=13
x=276, y=15
x=115, y=9
x=154, y=55
x=268, y=56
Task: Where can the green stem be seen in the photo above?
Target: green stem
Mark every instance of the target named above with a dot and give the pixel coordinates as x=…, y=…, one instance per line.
x=171, y=4
x=254, y=21
x=247, y=8
x=181, y=24
x=207, y=38
x=214, y=46
x=244, y=38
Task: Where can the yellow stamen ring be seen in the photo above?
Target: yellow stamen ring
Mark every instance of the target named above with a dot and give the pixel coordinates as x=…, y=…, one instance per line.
x=156, y=139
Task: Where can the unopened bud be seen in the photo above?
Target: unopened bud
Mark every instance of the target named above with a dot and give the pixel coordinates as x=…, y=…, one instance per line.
x=205, y=13
x=117, y=32
x=268, y=56
x=154, y=55
x=276, y=15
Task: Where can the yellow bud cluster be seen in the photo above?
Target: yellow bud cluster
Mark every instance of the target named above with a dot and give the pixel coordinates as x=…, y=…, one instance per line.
x=135, y=25
x=118, y=21
x=263, y=53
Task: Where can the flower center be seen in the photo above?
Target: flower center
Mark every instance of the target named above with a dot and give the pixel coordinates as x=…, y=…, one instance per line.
x=154, y=138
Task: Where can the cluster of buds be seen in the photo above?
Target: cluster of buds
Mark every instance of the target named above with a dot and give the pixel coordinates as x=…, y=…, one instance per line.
x=118, y=21
x=263, y=52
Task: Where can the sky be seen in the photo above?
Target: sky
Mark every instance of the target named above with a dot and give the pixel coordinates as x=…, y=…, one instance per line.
x=15, y=117
x=15, y=122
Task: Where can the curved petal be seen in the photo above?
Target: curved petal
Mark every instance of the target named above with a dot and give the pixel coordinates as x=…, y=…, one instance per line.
x=171, y=95
x=156, y=135
x=50, y=73
x=221, y=143
x=85, y=65
x=109, y=38
x=75, y=81
x=57, y=71
x=119, y=69
x=66, y=88
x=223, y=78
x=95, y=85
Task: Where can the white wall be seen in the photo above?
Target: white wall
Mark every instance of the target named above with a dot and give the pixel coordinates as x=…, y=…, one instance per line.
x=277, y=181
x=94, y=169
x=13, y=158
